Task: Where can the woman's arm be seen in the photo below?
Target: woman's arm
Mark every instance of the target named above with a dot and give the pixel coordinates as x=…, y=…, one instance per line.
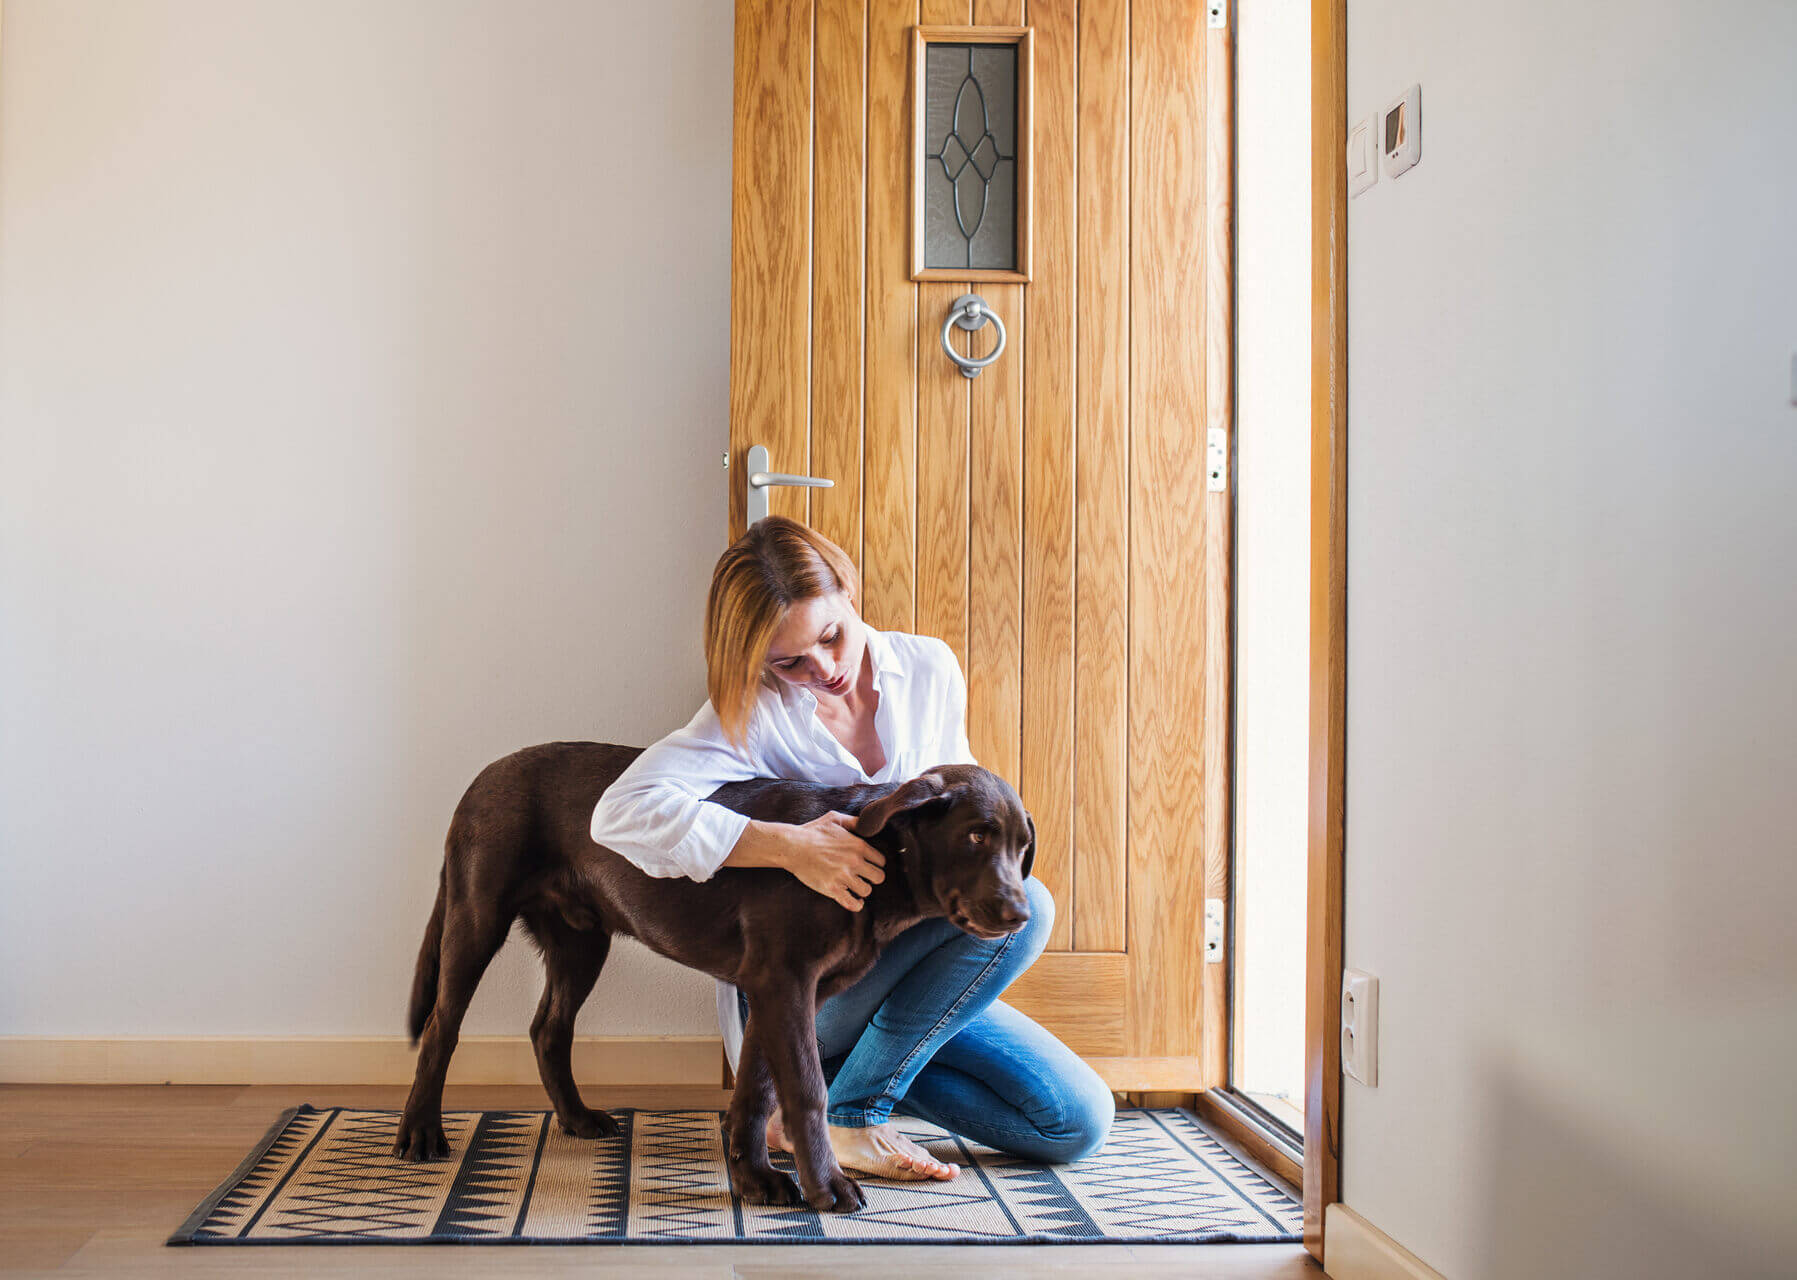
x=656, y=813
x=824, y=853
x=657, y=816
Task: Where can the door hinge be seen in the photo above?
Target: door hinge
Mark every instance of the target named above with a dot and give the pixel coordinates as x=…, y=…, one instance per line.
x=1216, y=461
x=1213, y=931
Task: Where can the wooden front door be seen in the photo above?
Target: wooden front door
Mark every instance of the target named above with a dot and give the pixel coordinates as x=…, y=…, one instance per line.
x=1049, y=519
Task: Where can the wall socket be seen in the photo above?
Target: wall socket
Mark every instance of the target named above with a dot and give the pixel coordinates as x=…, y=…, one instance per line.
x=1360, y=1026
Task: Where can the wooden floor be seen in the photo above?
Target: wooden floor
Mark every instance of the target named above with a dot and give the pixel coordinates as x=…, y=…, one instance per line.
x=93, y=1179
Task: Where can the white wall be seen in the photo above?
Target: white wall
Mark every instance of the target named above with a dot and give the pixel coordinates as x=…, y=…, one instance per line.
x=363, y=377
x=1272, y=675
x=1572, y=601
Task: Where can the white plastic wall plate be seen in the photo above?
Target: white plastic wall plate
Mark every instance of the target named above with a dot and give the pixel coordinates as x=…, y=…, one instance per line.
x=1363, y=156
x=1401, y=132
x=1360, y=1026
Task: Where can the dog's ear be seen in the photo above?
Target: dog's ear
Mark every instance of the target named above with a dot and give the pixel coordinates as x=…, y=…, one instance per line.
x=925, y=788
x=1029, y=850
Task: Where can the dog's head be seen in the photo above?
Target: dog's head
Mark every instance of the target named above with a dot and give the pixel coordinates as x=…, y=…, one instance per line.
x=967, y=845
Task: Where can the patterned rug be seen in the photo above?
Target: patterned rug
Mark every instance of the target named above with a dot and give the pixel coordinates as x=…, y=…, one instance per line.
x=513, y=1177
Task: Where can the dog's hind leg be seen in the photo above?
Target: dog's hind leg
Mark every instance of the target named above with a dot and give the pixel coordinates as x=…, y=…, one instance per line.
x=472, y=936
x=572, y=960
x=751, y=1172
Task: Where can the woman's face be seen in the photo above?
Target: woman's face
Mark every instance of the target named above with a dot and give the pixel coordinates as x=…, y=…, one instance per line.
x=819, y=646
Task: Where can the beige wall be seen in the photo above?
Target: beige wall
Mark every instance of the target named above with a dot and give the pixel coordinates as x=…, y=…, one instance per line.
x=1571, y=672
x=362, y=399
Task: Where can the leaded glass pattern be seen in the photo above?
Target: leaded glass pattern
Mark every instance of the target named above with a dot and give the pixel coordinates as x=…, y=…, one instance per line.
x=970, y=156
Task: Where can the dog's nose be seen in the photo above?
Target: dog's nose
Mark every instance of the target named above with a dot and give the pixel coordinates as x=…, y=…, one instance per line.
x=1013, y=915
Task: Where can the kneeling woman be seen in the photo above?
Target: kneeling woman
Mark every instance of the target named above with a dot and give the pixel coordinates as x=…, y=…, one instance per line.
x=800, y=687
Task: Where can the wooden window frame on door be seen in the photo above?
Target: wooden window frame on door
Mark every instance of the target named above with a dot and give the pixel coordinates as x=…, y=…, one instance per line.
x=1328, y=610
x=1320, y=1170
x=1024, y=39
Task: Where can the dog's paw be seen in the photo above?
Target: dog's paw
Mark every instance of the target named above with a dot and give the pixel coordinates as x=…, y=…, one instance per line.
x=421, y=1139
x=838, y=1194
x=765, y=1185
x=587, y=1123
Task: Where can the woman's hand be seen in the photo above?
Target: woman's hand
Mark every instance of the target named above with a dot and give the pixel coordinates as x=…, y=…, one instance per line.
x=831, y=859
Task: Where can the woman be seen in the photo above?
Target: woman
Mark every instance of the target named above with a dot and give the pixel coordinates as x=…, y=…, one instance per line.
x=802, y=688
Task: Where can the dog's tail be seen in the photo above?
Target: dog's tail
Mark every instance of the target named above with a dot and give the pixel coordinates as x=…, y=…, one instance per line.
x=424, y=979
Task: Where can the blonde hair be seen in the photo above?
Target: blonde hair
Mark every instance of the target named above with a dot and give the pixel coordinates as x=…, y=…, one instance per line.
x=775, y=565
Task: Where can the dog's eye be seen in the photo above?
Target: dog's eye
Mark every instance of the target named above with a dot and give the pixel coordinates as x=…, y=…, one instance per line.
x=978, y=837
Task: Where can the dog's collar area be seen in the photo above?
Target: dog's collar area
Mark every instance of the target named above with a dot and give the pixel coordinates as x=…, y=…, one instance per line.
x=908, y=871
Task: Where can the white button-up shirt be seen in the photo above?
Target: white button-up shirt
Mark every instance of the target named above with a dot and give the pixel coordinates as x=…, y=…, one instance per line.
x=656, y=813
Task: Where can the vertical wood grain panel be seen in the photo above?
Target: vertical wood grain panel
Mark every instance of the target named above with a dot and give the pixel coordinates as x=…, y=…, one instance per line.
x=995, y=534
x=1219, y=403
x=889, y=531
x=1049, y=368
x=942, y=460
x=1167, y=523
x=1101, y=663
x=942, y=485
x=839, y=118
x=770, y=247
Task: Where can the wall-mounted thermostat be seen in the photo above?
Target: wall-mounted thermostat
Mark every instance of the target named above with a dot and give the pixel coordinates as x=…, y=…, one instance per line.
x=1401, y=132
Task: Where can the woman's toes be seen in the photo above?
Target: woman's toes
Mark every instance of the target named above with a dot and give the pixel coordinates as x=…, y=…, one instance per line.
x=872, y=1150
x=920, y=1160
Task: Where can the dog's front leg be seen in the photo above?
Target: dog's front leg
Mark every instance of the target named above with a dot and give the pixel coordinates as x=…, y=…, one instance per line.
x=751, y=1172
x=789, y=1039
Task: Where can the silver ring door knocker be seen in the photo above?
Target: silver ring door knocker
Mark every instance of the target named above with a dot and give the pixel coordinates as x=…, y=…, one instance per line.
x=971, y=312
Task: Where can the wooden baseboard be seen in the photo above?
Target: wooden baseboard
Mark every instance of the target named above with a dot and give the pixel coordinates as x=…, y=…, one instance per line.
x=1354, y=1249
x=598, y=1060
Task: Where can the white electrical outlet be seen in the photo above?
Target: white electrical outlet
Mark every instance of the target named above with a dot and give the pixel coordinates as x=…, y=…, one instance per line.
x=1360, y=1026
x=1363, y=156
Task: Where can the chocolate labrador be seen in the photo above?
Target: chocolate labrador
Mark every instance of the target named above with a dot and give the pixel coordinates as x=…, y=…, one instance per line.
x=957, y=842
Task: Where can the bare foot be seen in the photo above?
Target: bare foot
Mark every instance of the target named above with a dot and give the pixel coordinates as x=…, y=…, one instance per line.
x=776, y=1134
x=880, y=1150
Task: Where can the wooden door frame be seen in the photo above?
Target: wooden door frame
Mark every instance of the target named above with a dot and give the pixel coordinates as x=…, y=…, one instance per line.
x=1328, y=611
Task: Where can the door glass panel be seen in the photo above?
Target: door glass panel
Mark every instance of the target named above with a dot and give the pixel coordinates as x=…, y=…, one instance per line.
x=970, y=155
x=1272, y=557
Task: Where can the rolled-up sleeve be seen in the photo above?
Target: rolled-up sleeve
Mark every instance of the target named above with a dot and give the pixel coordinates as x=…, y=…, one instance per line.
x=656, y=813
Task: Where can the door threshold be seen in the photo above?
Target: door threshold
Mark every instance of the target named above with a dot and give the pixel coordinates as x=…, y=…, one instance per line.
x=1264, y=1137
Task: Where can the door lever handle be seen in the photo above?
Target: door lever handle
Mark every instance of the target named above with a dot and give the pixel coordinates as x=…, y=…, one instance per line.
x=761, y=480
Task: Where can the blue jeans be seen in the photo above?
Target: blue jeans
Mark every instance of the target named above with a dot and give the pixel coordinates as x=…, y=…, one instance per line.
x=924, y=1033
